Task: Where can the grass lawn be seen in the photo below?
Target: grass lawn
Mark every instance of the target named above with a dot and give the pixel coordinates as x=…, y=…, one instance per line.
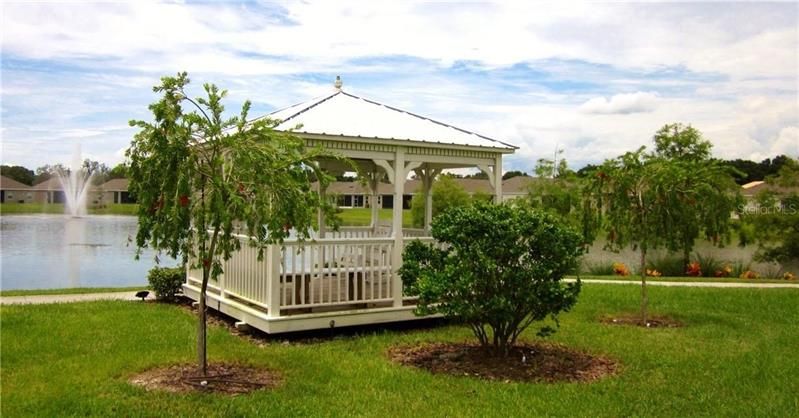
x=689, y=279
x=350, y=217
x=363, y=216
x=58, y=208
x=735, y=357
x=70, y=291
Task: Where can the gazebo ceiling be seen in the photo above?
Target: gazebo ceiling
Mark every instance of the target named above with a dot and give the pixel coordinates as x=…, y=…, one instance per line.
x=344, y=114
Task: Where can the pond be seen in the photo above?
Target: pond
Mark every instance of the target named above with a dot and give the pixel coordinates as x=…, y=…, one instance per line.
x=58, y=251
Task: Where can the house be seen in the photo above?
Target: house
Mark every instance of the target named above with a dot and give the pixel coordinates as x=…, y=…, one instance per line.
x=116, y=191
x=350, y=277
x=14, y=191
x=751, y=190
x=52, y=191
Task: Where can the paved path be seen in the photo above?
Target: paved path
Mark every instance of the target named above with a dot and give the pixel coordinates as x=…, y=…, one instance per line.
x=793, y=285
x=85, y=297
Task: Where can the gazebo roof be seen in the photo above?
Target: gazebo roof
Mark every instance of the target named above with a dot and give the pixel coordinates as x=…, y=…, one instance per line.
x=345, y=114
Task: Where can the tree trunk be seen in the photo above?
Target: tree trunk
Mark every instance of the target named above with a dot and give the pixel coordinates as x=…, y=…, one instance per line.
x=644, y=296
x=202, y=353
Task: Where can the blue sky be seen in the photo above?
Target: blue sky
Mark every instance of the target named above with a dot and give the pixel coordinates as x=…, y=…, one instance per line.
x=594, y=79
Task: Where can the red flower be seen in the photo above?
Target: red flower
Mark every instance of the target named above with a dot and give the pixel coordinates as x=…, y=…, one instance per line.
x=694, y=269
x=184, y=200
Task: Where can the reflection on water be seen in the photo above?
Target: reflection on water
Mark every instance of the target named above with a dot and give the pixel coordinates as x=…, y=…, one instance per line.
x=55, y=251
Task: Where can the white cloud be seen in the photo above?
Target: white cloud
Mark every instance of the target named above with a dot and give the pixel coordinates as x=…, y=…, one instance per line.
x=621, y=103
x=729, y=69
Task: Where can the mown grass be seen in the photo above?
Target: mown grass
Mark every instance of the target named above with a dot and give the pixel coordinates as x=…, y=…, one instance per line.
x=350, y=217
x=685, y=279
x=736, y=356
x=363, y=216
x=58, y=208
x=69, y=291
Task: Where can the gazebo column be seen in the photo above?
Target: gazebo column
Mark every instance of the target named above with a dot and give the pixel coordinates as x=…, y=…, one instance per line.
x=427, y=175
x=396, y=224
x=320, y=215
x=498, y=179
x=375, y=210
x=494, y=177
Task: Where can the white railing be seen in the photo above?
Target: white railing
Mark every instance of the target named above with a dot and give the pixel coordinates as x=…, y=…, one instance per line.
x=329, y=272
x=325, y=272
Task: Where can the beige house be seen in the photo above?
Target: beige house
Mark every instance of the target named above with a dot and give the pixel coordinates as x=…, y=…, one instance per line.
x=116, y=191
x=353, y=194
x=14, y=191
x=51, y=191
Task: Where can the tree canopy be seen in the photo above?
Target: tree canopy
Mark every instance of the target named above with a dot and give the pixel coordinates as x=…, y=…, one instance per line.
x=201, y=178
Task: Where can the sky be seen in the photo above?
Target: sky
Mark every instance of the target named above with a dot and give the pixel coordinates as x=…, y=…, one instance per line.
x=591, y=79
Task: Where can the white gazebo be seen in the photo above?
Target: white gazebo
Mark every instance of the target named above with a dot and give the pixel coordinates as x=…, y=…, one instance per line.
x=349, y=277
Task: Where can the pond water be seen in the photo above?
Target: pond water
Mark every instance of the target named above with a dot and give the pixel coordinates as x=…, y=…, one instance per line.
x=58, y=251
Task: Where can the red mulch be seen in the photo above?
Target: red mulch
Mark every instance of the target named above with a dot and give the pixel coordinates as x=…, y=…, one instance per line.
x=525, y=363
x=230, y=379
x=651, y=322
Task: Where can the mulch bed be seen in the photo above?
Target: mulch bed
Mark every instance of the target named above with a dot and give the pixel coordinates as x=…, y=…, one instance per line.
x=651, y=322
x=525, y=363
x=230, y=379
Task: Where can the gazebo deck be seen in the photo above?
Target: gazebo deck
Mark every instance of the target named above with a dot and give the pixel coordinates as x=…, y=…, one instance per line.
x=345, y=279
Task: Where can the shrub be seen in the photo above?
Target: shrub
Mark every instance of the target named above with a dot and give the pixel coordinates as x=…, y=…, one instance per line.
x=710, y=265
x=749, y=274
x=694, y=269
x=500, y=271
x=667, y=265
x=598, y=269
x=653, y=273
x=620, y=269
x=739, y=267
x=166, y=282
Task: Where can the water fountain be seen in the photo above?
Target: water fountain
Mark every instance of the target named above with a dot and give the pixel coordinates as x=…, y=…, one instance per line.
x=75, y=185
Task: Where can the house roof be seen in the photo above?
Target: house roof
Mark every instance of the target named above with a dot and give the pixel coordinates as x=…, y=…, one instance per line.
x=345, y=114
x=7, y=183
x=752, y=188
x=752, y=184
x=50, y=184
x=54, y=184
x=116, y=185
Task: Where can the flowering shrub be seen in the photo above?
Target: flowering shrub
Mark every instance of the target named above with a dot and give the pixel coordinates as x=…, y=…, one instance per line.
x=749, y=274
x=693, y=269
x=620, y=269
x=789, y=276
x=724, y=272
x=653, y=273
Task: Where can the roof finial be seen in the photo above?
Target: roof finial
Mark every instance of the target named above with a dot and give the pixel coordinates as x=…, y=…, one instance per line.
x=338, y=82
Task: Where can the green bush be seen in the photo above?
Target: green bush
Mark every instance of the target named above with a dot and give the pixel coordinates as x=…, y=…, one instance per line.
x=166, y=282
x=668, y=265
x=709, y=264
x=499, y=270
x=597, y=268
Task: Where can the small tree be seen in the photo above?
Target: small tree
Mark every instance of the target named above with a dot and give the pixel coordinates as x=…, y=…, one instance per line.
x=712, y=193
x=200, y=179
x=499, y=272
x=776, y=216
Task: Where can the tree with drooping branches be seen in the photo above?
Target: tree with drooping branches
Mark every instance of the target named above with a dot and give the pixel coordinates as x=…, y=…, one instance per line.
x=201, y=178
